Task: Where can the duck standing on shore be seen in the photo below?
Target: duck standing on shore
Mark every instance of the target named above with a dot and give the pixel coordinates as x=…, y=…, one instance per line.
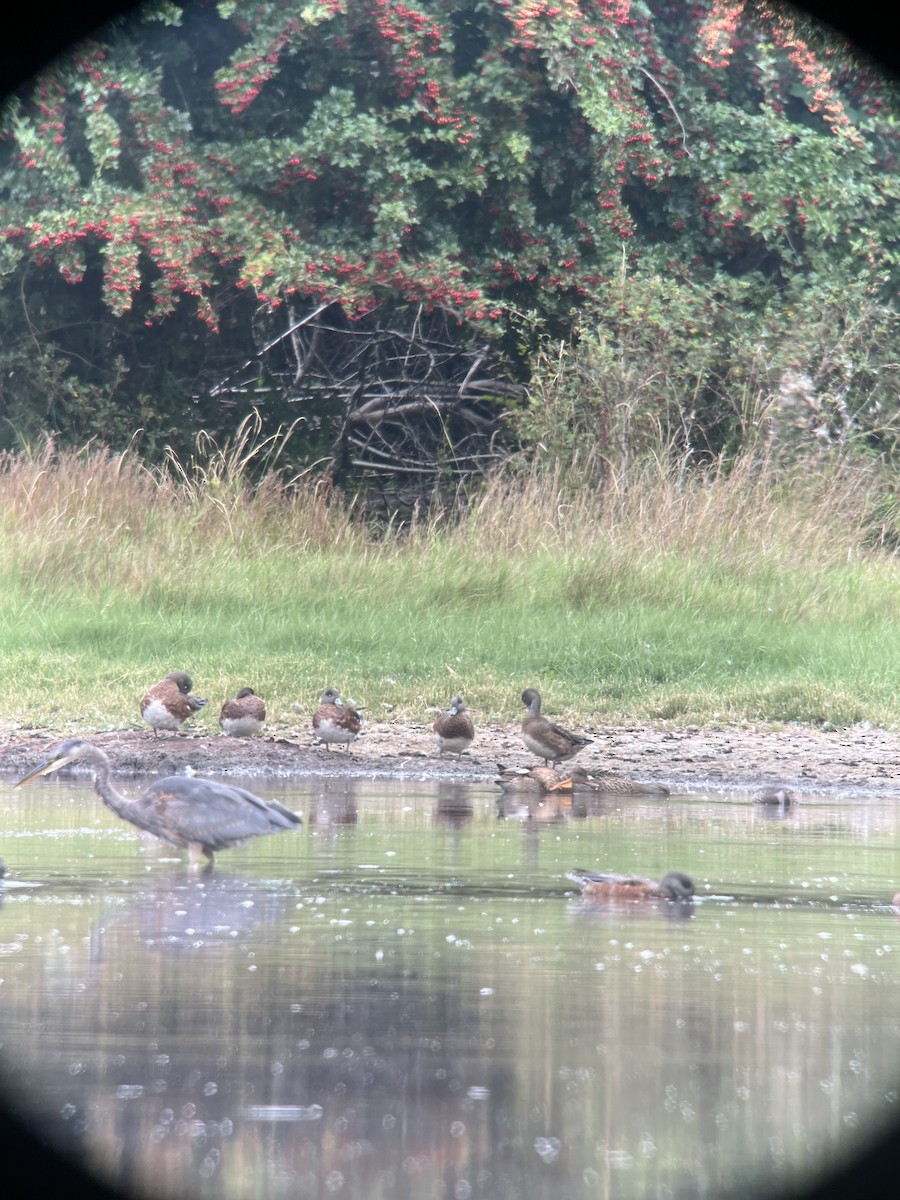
x=454, y=729
x=334, y=721
x=244, y=716
x=169, y=703
x=542, y=737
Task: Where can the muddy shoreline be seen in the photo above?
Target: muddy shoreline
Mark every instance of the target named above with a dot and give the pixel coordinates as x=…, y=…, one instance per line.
x=862, y=759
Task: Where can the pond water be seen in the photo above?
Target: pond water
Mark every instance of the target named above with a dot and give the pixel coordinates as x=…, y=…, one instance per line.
x=407, y=1000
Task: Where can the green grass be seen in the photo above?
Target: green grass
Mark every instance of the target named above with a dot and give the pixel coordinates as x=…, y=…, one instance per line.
x=742, y=596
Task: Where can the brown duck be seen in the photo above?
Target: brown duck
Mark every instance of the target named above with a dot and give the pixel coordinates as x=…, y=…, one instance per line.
x=243, y=716
x=550, y=742
x=454, y=729
x=169, y=703
x=334, y=721
x=673, y=886
x=620, y=785
x=544, y=779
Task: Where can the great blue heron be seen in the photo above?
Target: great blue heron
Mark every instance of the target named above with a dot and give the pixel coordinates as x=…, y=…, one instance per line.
x=454, y=729
x=673, y=886
x=548, y=741
x=243, y=716
x=169, y=703
x=183, y=810
x=335, y=721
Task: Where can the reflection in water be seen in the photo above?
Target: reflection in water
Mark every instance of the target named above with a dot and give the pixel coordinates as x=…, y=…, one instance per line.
x=407, y=1001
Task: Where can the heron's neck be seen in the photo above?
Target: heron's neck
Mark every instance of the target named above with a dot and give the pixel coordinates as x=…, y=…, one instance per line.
x=119, y=804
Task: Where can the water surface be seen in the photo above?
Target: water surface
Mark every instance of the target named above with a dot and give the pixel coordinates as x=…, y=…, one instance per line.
x=407, y=999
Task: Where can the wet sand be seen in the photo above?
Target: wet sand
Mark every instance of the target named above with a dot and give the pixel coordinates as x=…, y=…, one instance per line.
x=862, y=758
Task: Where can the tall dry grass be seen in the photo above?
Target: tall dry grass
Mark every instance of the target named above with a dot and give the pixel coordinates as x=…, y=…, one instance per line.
x=750, y=591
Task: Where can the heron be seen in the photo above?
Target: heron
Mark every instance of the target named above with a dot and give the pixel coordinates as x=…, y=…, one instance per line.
x=672, y=886
x=243, y=716
x=188, y=811
x=548, y=741
x=454, y=729
x=169, y=703
x=335, y=721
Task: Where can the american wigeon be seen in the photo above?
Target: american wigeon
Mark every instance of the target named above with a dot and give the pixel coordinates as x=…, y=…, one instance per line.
x=775, y=798
x=544, y=779
x=243, y=716
x=612, y=783
x=169, y=703
x=454, y=729
x=542, y=737
x=673, y=886
x=334, y=721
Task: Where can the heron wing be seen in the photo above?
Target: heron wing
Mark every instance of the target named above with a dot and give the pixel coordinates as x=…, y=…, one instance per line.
x=186, y=810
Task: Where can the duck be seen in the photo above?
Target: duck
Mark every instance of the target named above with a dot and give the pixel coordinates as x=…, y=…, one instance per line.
x=775, y=798
x=335, y=721
x=672, y=886
x=454, y=729
x=169, y=703
x=544, y=779
x=243, y=716
x=620, y=785
x=550, y=742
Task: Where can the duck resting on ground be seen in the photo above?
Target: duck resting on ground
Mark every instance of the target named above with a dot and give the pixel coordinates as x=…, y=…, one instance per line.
x=334, y=721
x=454, y=729
x=673, y=886
x=243, y=716
x=544, y=779
x=200, y=814
x=620, y=785
x=169, y=703
x=542, y=737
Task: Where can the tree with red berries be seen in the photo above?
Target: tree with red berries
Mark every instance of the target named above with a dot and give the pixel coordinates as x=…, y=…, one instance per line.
x=533, y=168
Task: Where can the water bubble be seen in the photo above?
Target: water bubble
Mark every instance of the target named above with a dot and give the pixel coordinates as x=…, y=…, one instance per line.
x=548, y=1148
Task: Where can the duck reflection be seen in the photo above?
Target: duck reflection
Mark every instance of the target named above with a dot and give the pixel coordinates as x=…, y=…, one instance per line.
x=454, y=808
x=335, y=807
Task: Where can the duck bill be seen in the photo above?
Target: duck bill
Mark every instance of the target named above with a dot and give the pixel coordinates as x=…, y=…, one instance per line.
x=47, y=767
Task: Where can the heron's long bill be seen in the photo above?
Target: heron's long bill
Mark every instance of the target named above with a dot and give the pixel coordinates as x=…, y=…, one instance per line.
x=47, y=767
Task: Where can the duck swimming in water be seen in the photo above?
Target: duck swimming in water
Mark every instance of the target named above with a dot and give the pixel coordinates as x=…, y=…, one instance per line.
x=673, y=886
